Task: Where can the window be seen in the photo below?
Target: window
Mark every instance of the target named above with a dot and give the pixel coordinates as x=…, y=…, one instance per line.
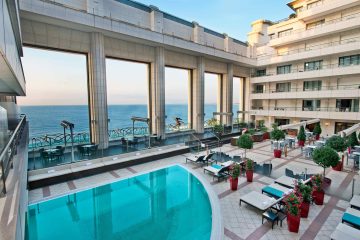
x=315, y=24
x=299, y=9
x=315, y=65
x=283, y=69
x=314, y=4
x=349, y=60
x=281, y=122
x=259, y=88
x=347, y=105
x=261, y=72
x=312, y=85
x=284, y=33
x=283, y=87
x=311, y=105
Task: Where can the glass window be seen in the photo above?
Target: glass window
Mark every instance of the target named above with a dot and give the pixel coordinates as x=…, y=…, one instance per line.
x=349, y=60
x=311, y=105
x=259, y=88
x=314, y=65
x=283, y=87
x=283, y=69
x=284, y=33
x=314, y=4
x=315, y=24
x=282, y=121
x=312, y=85
x=261, y=72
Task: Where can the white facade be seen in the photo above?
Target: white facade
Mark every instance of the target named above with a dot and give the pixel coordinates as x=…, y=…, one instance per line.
x=308, y=66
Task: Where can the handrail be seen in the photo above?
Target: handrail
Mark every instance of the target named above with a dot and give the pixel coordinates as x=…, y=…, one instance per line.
x=8, y=152
x=301, y=89
x=198, y=140
x=306, y=109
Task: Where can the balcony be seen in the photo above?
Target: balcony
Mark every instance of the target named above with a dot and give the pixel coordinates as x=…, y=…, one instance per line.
x=299, y=73
x=335, y=47
x=326, y=7
x=299, y=93
x=300, y=112
x=341, y=24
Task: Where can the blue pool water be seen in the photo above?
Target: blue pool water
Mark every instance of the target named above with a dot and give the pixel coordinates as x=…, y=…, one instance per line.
x=169, y=203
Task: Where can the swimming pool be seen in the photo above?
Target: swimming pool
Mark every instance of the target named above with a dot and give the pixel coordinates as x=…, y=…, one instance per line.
x=170, y=203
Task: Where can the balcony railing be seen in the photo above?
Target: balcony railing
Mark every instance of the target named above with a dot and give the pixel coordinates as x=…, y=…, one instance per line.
x=333, y=21
x=302, y=69
x=8, y=153
x=301, y=89
x=310, y=48
x=306, y=109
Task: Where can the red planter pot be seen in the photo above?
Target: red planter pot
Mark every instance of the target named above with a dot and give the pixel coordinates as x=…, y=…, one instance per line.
x=249, y=175
x=266, y=135
x=233, y=183
x=339, y=166
x=293, y=223
x=318, y=197
x=317, y=137
x=277, y=153
x=304, y=209
x=301, y=143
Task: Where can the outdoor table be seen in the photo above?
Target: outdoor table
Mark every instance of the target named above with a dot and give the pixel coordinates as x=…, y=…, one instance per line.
x=313, y=147
x=286, y=181
x=87, y=148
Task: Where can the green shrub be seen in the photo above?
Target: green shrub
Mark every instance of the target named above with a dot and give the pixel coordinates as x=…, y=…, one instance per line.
x=277, y=134
x=235, y=171
x=326, y=157
x=301, y=135
x=305, y=191
x=337, y=143
x=317, y=129
x=352, y=140
x=245, y=142
x=249, y=164
x=293, y=203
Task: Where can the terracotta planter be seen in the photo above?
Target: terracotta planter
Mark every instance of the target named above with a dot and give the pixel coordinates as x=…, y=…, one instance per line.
x=304, y=209
x=326, y=183
x=301, y=143
x=266, y=136
x=233, y=183
x=293, y=223
x=249, y=175
x=317, y=137
x=318, y=197
x=277, y=153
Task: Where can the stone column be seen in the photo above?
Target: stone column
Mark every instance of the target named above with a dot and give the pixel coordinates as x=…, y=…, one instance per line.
x=156, y=19
x=247, y=98
x=198, y=77
x=97, y=91
x=227, y=94
x=157, y=83
x=241, y=116
x=198, y=33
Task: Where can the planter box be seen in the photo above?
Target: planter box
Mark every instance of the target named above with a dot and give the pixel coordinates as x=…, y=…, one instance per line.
x=257, y=137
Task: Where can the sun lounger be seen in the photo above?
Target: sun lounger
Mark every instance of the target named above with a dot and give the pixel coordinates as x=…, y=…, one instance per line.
x=276, y=190
x=203, y=159
x=258, y=200
x=289, y=181
x=219, y=171
x=352, y=217
x=355, y=202
x=345, y=232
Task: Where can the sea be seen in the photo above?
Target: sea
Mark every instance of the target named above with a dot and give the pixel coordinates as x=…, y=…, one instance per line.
x=45, y=120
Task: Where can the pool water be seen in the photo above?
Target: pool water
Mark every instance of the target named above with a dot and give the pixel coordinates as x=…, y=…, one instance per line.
x=169, y=203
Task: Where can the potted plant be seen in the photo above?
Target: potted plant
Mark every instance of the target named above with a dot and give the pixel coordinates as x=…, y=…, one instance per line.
x=245, y=142
x=277, y=134
x=318, y=193
x=293, y=203
x=301, y=137
x=234, y=176
x=326, y=157
x=249, y=170
x=218, y=130
x=304, y=191
x=317, y=131
x=352, y=141
x=339, y=145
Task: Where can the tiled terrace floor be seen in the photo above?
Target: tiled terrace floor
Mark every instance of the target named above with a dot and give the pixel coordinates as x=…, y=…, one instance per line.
x=244, y=222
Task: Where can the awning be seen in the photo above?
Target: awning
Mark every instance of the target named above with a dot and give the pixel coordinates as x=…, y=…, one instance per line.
x=350, y=130
x=296, y=125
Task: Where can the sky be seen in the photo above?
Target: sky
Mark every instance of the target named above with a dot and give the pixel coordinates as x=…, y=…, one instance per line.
x=57, y=78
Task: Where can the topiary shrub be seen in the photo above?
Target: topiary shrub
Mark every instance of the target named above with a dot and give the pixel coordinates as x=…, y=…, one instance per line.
x=277, y=134
x=301, y=135
x=325, y=157
x=352, y=140
x=317, y=130
x=337, y=143
x=245, y=142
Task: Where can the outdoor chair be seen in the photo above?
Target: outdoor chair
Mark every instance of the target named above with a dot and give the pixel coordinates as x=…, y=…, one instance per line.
x=345, y=232
x=267, y=167
x=352, y=217
x=196, y=159
x=289, y=173
x=219, y=171
x=355, y=202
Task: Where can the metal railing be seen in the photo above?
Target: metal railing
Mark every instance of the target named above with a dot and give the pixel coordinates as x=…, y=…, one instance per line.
x=306, y=109
x=8, y=153
x=302, y=89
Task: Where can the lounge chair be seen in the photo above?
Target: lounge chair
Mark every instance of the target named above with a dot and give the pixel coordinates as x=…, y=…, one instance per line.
x=258, y=200
x=196, y=159
x=345, y=232
x=219, y=171
x=276, y=190
x=355, y=202
x=289, y=182
x=352, y=217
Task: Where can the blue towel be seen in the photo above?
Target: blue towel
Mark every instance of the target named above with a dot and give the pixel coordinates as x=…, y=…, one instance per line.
x=216, y=166
x=273, y=191
x=347, y=217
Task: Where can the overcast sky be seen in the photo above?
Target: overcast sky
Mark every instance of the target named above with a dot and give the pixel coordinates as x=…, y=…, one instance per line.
x=56, y=78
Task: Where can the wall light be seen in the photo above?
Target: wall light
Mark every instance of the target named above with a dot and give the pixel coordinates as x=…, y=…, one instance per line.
x=327, y=124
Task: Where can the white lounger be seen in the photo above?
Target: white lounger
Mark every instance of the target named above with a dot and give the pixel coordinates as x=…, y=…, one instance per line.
x=345, y=232
x=219, y=171
x=289, y=181
x=259, y=201
x=355, y=202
